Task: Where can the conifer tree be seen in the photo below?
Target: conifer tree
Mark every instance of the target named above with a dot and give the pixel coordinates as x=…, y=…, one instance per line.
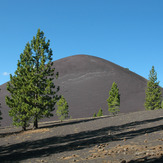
x=19, y=102
x=62, y=111
x=99, y=114
x=114, y=99
x=33, y=93
x=43, y=88
x=153, y=92
x=94, y=115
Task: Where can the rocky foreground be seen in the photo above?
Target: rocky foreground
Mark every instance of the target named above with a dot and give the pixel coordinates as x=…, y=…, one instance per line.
x=132, y=137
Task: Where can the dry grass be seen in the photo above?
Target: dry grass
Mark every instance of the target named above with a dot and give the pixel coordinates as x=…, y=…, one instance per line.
x=70, y=157
x=34, y=131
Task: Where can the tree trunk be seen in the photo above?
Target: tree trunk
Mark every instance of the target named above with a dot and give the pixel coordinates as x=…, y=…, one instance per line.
x=24, y=127
x=35, y=125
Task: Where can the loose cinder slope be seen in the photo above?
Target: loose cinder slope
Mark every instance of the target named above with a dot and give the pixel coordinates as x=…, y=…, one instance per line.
x=85, y=82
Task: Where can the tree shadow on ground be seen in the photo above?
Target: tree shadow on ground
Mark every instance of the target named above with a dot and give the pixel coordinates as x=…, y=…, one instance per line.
x=147, y=159
x=52, y=124
x=58, y=124
x=71, y=122
x=72, y=142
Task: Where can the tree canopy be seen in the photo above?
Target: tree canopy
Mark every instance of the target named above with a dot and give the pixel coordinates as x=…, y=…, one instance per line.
x=114, y=99
x=153, y=92
x=32, y=89
x=62, y=111
x=99, y=114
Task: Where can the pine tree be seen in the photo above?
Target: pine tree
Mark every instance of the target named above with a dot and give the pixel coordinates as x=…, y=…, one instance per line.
x=99, y=114
x=162, y=104
x=62, y=111
x=43, y=88
x=19, y=102
x=153, y=92
x=94, y=115
x=33, y=93
x=114, y=99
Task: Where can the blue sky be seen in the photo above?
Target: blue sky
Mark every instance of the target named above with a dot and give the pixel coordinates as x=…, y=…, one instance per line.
x=126, y=32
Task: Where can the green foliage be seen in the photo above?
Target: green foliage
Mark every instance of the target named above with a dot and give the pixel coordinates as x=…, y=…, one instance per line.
x=162, y=104
x=153, y=92
x=114, y=99
x=32, y=89
x=62, y=111
x=94, y=115
x=99, y=114
x=18, y=88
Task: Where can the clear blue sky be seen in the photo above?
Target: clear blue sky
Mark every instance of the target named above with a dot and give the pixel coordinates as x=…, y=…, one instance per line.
x=126, y=32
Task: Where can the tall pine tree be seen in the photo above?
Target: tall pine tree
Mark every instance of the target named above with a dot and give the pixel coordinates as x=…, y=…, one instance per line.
x=114, y=99
x=19, y=101
x=33, y=93
x=153, y=92
x=42, y=86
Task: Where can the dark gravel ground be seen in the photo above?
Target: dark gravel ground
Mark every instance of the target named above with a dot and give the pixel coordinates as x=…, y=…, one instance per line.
x=132, y=137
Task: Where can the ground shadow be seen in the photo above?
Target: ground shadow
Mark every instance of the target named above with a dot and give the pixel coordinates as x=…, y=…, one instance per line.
x=71, y=122
x=52, y=124
x=75, y=141
x=147, y=159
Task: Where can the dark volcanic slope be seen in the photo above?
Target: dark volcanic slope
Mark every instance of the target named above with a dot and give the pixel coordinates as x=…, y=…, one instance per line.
x=85, y=82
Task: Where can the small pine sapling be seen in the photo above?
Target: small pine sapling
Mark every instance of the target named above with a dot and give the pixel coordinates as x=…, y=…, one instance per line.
x=114, y=99
x=62, y=111
x=94, y=115
x=99, y=114
x=153, y=92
